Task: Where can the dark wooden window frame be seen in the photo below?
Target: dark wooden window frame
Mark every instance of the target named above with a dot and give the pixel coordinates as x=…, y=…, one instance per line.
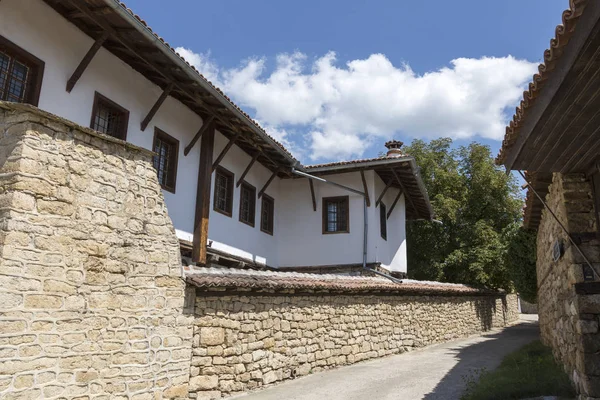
x=383, y=220
x=99, y=98
x=172, y=167
x=326, y=200
x=229, y=211
x=32, y=95
x=268, y=199
x=246, y=186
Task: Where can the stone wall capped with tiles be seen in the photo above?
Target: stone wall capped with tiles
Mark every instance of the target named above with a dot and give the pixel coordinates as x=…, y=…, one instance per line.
x=569, y=320
x=91, y=295
x=243, y=341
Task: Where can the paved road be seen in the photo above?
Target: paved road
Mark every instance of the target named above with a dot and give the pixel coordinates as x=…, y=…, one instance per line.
x=432, y=373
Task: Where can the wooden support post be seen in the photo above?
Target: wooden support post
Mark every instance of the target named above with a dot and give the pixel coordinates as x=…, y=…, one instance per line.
x=239, y=182
x=262, y=191
x=203, y=197
x=86, y=61
x=156, y=106
x=225, y=150
x=394, y=204
x=312, y=194
x=364, y=181
x=405, y=192
x=387, y=186
x=205, y=126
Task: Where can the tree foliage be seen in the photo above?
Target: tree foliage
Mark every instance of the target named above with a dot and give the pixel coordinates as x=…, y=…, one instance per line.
x=520, y=257
x=477, y=204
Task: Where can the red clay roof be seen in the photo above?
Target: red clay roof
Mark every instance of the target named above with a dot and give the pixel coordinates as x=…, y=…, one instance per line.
x=218, y=279
x=551, y=56
x=350, y=162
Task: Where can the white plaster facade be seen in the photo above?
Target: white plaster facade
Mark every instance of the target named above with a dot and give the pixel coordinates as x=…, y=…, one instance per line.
x=298, y=239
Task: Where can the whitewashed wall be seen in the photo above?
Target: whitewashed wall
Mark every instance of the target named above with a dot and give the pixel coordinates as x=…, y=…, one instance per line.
x=391, y=253
x=228, y=233
x=304, y=244
x=298, y=238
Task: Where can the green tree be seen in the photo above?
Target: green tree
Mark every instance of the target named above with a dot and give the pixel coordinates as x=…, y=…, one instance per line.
x=520, y=257
x=476, y=202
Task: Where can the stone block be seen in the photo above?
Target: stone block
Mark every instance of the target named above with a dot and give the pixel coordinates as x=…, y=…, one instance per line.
x=210, y=336
x=204, y=382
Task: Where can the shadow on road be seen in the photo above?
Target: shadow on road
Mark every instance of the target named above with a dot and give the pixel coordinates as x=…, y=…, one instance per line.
x=475, y=357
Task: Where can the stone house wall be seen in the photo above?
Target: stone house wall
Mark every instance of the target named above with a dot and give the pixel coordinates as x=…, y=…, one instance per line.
x=242, y=342
x=91, y=295
x=568, y=320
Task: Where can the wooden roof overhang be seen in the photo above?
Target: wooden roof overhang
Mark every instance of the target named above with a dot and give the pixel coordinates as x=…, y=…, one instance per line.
x=127, y=36
x=398, y=172
x=557, y=127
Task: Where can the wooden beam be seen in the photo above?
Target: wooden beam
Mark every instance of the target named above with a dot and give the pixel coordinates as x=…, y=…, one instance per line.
x=585, y=26
x=312, y=194
x=203, y=197
x=156, y=106
x=385, y=189
x=394, y=204
x=262, y=191
x=409, y=198
x=96, y=10
x=135, y=50
x=364, y=181
x=239, y=182
x=205, y=126
x=86, y=61
x=225, y=150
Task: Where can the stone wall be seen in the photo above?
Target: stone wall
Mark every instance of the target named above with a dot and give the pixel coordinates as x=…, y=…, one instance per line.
x=242, y=342
x=91, y=295
x=568, y=320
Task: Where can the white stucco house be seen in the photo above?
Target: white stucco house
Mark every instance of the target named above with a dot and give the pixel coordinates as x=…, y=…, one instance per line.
x=236, y=197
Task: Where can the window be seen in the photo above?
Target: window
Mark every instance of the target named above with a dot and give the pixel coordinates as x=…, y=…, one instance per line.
x=110, y=118
x=165, y=161
x=267, y=213
x=336, y=214
x=247, y=203
x=383, y=220
x=20, y=74
x=223, y=202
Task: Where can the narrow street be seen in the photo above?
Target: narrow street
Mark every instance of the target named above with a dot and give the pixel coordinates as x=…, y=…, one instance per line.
x=433, y=373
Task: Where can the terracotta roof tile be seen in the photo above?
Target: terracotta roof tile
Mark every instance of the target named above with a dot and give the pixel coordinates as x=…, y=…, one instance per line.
x=218, y=279
x=551, y=56
x=349, y=162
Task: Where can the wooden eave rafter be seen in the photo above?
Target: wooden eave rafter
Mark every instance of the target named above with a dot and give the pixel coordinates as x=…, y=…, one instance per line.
x=406, y=195
x=365, y=189
x=86, y=61
x=394, y=204
x=312, y=194
x=227, y=147
x=250, y=164
x=156, y=106
x=133, y=48
x=384, y=191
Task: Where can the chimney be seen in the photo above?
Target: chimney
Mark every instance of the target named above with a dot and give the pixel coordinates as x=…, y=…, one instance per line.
x=393, y=147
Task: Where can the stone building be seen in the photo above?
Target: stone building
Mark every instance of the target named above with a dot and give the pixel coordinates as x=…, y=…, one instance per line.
x=554, y=137
x=101, y=66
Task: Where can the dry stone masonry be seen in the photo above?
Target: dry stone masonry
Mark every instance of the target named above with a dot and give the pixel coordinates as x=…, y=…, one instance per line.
x=244, y=341
x=569, y=320
x=91, y=295
x=93, y=304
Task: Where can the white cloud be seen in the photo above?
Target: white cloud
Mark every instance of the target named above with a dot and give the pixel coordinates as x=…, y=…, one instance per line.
x=342, y=109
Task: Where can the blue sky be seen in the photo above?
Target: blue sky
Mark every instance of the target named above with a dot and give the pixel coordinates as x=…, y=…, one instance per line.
x=336, y=79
